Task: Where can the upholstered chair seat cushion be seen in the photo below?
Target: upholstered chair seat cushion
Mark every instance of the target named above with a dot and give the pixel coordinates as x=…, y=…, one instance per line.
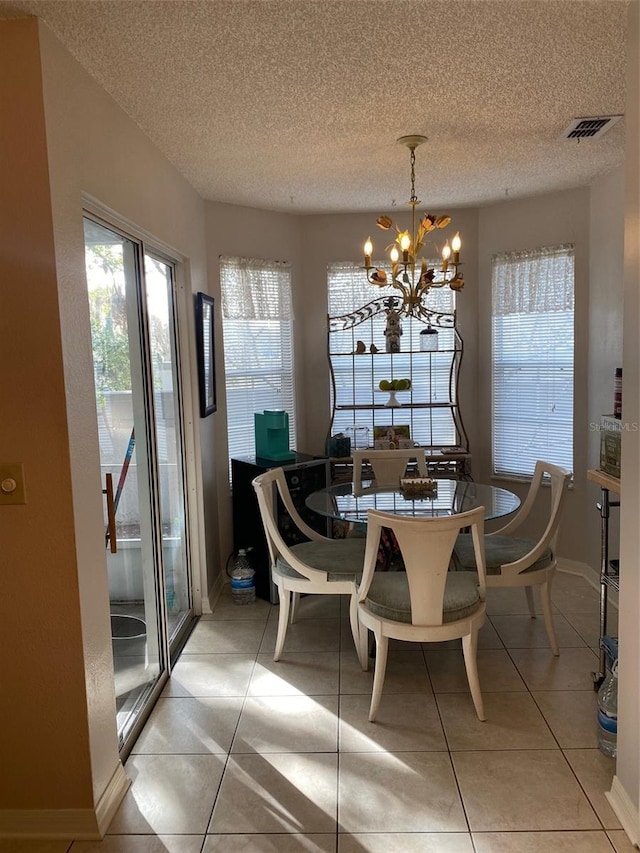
x=341, y=559
x=389, y=597
x=499, y=550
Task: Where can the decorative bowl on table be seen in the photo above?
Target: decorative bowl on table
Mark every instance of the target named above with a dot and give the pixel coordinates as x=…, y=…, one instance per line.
x=418, y=487
x=393, y=385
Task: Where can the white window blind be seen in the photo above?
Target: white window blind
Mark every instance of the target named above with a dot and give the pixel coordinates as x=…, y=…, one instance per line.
x=532, y=364
x=257, y=321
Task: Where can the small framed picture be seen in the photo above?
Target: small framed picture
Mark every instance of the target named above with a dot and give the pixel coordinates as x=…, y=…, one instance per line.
x=392, y=437
x=206, y=354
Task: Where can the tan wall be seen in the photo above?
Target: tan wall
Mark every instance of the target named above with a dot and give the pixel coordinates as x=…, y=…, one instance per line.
x=95, y=148
x=59, y=743
x=43, y=712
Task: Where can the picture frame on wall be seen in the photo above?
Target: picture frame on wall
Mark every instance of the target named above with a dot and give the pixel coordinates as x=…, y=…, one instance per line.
x=206, y=355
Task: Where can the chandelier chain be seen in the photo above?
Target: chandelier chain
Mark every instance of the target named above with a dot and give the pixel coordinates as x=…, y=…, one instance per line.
x=411, y=273
x=413, y=198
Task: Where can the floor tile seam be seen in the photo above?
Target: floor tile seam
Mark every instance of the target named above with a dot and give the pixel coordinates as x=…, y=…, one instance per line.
x=565, y=759
x=500, y=640
x=258, y=752
x=208, y=696
x=543, y=647
x=139, y=833
x=341, y=831
x=502, y=692
x=535, y=831
x=299, y=695
x=458, y=750
x=588, y=612
x=459, y=790
x=442, y=726
x=484, y=691
x=185, y=656
x=582, y=788
x=517, y=668
x=226, y=764
x=547, y=723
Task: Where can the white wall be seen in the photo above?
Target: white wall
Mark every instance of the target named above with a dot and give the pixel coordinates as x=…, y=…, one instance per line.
x=606, y=273
x=245, y=232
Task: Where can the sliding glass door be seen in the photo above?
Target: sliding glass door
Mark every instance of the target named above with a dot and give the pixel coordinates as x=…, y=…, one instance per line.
x=138, y=403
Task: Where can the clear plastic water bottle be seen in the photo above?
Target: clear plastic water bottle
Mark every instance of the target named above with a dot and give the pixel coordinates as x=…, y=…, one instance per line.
x=608, y=713
x=242, y=574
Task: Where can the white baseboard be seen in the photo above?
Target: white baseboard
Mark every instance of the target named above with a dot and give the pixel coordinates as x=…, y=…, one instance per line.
x=210, y=601
x=575, y=567
x=67, y=824
x=111, y=798
x=625, y=811
x=591, y=575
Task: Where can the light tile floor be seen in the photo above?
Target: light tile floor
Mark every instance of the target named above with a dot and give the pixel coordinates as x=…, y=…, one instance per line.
x=244, y=754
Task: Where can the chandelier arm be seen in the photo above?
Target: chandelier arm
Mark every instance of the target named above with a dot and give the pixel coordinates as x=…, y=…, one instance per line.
x=398, y=285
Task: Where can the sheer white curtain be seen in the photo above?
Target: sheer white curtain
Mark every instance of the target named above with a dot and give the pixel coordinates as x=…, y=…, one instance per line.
x=257, y=322
x=533, y=355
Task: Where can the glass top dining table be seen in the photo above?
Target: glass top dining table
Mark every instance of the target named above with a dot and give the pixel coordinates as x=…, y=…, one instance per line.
x=450, y=498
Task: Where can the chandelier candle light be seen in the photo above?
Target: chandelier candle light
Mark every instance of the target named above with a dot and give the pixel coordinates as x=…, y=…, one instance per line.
x=405, y=277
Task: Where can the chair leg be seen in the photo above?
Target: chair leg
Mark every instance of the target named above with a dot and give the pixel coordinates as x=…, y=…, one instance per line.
x=382, y=646
x=283, y=619
x=530, y=601
x=469, y=649
x=545, y=600
x=355, y=626
x=295, y=601
x=363, y=647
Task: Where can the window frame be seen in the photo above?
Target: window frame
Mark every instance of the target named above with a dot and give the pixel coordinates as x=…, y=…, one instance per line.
x=261, y=304
x=559, y=368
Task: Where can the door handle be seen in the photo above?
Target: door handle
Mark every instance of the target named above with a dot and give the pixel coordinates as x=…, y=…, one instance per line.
x=111, y=514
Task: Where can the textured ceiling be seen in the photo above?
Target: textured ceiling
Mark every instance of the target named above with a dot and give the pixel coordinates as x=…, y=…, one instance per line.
x=295, y=105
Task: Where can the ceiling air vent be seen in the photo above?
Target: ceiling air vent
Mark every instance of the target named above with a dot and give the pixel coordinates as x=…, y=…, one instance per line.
x=589, y=128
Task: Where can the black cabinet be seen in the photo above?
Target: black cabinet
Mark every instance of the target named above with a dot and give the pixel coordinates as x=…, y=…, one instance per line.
x=304, y=475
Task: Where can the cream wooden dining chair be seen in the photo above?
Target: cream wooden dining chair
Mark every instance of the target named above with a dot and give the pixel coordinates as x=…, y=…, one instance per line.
x=428, y=603
x=319, y=565
x=523, y=562
x=388, y=466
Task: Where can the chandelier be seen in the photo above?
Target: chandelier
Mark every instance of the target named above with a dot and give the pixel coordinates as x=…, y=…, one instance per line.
x=410, y=271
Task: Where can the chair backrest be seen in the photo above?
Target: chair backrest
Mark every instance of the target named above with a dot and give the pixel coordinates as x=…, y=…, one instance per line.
x=426, y=545
x=267, y=487
x=388, y=466
x=558, y=479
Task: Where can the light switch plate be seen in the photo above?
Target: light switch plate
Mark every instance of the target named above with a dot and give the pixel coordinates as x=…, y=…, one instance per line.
x=12, y=485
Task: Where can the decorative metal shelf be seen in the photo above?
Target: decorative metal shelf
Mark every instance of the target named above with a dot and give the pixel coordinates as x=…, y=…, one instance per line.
x=411, y=352
x=382, y=406
x=429, y=408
